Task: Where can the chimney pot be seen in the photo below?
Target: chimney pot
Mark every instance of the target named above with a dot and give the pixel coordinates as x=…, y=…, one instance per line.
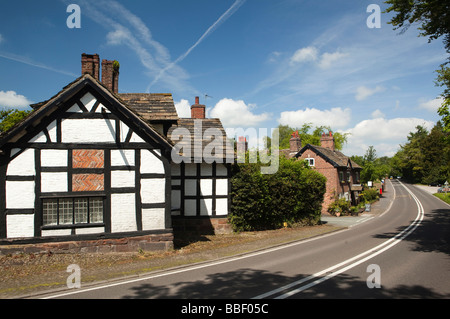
x=327, y=141
x=197, y=100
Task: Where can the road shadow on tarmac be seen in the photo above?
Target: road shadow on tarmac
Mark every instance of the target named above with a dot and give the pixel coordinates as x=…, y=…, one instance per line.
x=248, y=283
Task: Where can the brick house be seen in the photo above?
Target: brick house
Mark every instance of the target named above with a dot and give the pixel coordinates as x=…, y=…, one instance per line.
x=342, y=174
x=94, y=165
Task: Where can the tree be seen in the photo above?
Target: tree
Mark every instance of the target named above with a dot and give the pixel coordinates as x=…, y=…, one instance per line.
x=434, y=19
x=10, y=117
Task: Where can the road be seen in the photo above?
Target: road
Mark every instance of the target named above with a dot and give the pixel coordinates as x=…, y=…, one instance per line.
x=402, y=253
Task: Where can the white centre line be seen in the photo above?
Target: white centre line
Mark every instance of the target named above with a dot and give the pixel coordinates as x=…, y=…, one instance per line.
x=371, y=253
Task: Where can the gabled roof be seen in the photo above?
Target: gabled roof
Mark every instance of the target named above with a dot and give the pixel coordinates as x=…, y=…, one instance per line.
x=85, y=82
x=335, y=158
x=151, y=106
x=202, y=134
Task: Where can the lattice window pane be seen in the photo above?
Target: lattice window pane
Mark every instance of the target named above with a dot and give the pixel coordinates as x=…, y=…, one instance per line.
x=81, y=210
x=96, y=210
x=50, y=210
x=65, y=211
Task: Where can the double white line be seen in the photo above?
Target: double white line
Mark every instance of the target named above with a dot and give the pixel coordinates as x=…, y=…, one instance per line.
x=317, y=278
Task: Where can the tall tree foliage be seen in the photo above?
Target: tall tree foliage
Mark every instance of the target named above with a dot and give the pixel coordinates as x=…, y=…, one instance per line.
x=10, y=117
x=433, y=17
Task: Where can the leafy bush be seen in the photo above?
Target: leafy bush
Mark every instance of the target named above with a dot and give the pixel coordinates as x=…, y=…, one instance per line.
x=369, y=195
x=294, y=194
x=341, y=206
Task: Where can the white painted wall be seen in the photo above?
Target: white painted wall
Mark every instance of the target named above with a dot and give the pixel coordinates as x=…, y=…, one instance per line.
x=153, y=190
x=221, y=206
x=54, y=182
x=206, y=187
x=150, y=163
x=20, y=195
x=221, y=186
x=88, y=131
x=23, y=164
x=122, y=158
x=153, y=218
x=123, y=213
x=122, y=179
x=56, y=232
x=20, y=226
x=54, y=158
x=206, y=207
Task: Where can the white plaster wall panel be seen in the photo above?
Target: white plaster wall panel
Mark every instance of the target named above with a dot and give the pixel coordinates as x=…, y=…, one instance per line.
x=90, y=230
x=102, y=109
x=122, y=179
x=221, y=170
x=206, y=170
x=176, y=199
x=20, y=226
x=123, y=213
x=56, y=232
x=206, y=186
x=122, y=158
x=52, y=131
x=136, y=138
x=221, y=206
x=39, y=138
x=54, y=182
x=190, y=187
x=176, y=182
x=88, y=101
x=54, y=158
x=190, y=170
x=20, y=195
x=206, y=207
x=150, y=163
x=88, y=131
x=23, y=164
x=222, y=187
x=153, y=218
x=75, y=109
x=153, y=190
x=190, y=207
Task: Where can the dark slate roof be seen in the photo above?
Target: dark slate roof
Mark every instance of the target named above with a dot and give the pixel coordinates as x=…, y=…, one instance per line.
x=206, y=139
x=336, y=158
x=151, y=106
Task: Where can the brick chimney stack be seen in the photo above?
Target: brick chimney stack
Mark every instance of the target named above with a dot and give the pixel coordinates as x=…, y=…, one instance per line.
x=90, y=63
x=295, y=143
x=327, y=141
x=197, y=109
x=110, y=75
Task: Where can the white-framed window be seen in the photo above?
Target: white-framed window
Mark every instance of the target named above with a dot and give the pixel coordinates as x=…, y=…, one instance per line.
x=310, y=161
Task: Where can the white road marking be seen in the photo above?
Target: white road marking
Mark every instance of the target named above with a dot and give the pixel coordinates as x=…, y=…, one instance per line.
x=356, y=259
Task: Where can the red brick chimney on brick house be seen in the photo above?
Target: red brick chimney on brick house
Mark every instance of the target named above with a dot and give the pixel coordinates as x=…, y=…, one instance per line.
x=295, y=144
x=197, y=109
x=241, y=145
x=90, y=63
x=327, y=141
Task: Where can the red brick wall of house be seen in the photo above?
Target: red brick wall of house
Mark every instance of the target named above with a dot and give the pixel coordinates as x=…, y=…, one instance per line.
x=333, y=186
x=88, y=159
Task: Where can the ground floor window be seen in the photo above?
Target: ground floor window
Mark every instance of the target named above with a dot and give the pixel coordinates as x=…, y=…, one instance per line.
x=71, y=211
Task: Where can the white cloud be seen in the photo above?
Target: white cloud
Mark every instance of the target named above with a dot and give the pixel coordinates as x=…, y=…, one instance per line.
x=183, y=108
x=384, y=134
x=377, y=114
x=363, y=92
x=11, y=99
x=234, y=113
x=328, y=59
x=304, y=55
x=432, y=105
x=334, y=118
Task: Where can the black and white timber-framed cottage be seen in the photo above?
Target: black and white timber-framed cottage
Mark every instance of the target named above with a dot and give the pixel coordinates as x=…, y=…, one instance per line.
x=92, y=167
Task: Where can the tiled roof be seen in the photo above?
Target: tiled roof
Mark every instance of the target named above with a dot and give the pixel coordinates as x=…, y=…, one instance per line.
x=336, y=158
x=151, y=106
x=207, y=132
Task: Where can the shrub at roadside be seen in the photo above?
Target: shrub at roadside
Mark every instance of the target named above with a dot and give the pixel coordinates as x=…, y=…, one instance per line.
x=294, y=194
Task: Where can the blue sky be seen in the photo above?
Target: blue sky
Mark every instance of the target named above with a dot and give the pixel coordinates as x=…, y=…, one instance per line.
x=261, y=62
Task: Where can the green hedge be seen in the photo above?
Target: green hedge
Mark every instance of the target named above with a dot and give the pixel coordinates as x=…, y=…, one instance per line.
x=260, y=202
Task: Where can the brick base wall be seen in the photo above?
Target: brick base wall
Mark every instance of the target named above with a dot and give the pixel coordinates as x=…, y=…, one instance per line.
x=152, y=242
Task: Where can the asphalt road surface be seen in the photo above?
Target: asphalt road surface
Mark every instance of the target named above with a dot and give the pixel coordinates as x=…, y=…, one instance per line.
x=402, y=253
